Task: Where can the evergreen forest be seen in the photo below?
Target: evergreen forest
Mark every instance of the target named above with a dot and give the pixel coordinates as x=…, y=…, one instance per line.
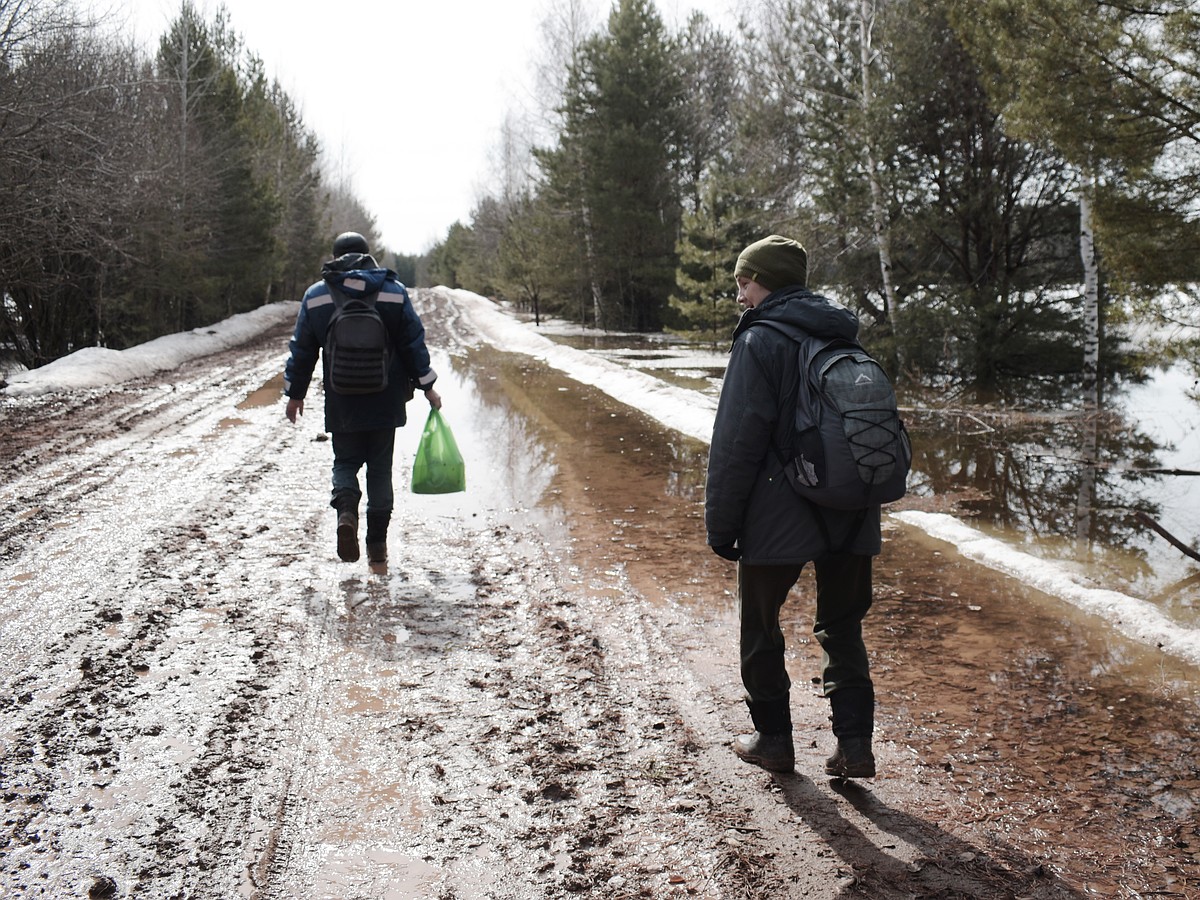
x=1003, y=190
x=999, y=188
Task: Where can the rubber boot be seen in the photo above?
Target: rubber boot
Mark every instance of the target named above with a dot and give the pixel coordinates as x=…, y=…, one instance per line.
x=377, y=526
x=853, y=712
x=347, y=530
x=770, y=747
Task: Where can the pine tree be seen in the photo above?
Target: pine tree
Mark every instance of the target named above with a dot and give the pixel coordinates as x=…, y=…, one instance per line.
x=986, y=214
x=613, y=175
x=704, y=301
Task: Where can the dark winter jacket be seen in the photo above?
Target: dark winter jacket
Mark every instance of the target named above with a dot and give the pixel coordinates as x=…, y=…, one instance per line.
x=358, y=274
x=747, y=497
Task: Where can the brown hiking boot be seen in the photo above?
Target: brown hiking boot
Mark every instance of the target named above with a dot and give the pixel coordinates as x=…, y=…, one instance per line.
x=853, y=759
x=347, y=536
x=376, y=551
x=773, y=752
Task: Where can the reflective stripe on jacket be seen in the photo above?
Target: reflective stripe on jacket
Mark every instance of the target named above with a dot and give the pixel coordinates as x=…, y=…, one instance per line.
x=409, y=367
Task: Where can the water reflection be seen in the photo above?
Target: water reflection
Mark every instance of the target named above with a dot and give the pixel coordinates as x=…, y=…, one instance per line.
x=504, y=421
x=1041, y=475
x=1074, y=486
x=544, y=417
x=1032, y=470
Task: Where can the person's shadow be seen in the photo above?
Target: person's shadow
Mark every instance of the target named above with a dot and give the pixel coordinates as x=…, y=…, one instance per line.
x=944, y=865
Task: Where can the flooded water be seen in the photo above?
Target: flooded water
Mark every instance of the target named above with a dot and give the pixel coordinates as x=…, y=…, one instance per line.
x=1088, y=496
x=1085, y=492
x=509, y=472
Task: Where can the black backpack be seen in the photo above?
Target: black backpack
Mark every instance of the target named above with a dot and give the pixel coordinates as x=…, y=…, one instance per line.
x=357, y=347
x=850, y=449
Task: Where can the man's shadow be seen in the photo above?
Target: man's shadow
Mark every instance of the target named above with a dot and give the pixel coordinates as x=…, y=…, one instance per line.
x=945, y=865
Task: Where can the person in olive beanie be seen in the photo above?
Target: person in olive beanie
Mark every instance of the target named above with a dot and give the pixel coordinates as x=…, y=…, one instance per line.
x=774, y=262
x=755, y=518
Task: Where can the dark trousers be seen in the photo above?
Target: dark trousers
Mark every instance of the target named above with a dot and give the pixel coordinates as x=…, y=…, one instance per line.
x=843, y=598
x=351, y=451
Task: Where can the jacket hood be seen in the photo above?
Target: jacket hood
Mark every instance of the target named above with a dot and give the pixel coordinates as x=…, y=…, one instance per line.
x=357, y=283
x=348, y=261
x=800, y=307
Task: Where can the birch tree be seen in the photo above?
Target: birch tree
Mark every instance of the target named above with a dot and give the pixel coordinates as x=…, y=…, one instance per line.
x=880, y=213
x=1114, y=89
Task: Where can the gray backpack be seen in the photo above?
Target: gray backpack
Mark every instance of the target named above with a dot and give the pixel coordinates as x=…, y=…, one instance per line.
x=850, y=449
x=357, y=347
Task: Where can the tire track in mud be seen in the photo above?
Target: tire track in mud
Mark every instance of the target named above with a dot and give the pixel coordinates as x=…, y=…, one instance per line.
x=523, y=763
x=100, y=759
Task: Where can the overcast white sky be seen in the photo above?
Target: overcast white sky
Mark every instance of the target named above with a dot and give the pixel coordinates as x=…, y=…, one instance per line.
x=449, y=71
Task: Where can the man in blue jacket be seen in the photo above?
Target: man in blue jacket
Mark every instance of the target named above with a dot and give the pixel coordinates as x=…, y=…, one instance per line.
x=363, y=426
x=754, y=517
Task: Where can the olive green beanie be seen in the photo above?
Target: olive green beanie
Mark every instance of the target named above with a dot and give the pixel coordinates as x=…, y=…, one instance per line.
x=774, y=262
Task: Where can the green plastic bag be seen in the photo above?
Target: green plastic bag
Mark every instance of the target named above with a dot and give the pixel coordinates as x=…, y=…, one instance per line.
x=439, y=466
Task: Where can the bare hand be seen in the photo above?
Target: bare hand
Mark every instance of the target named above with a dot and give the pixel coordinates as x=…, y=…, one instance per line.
x=294, y=408
x=434, y=398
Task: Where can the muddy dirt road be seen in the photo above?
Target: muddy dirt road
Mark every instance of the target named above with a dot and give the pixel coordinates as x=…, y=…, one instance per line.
x=535, y=697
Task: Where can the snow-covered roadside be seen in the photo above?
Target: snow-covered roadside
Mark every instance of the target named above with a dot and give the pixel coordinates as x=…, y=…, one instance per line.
x=686, y=411
x=94, y=367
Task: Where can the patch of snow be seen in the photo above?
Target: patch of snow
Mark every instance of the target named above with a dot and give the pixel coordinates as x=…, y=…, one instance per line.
x=1135, y=618
x=94, y=367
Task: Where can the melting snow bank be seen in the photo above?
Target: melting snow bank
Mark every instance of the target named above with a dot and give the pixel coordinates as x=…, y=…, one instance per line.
x=686, y=411
x=94, y=367
x=1132, y=617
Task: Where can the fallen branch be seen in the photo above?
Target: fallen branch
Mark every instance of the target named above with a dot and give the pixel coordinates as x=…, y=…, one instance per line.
x=1174, y=541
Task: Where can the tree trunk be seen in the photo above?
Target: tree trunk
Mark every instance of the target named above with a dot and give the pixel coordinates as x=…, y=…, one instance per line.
x=1091, y=302
x=879, y=215
x=1085, y=500
x=597, y=297
x=1091, y=363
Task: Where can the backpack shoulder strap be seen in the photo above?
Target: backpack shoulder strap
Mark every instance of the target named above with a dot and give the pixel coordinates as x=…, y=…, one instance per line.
x=810, y=344
x=800, y=336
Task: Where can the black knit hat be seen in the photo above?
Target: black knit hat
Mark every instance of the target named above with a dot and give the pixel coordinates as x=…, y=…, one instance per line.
x=349, y=242
x=774, y=262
